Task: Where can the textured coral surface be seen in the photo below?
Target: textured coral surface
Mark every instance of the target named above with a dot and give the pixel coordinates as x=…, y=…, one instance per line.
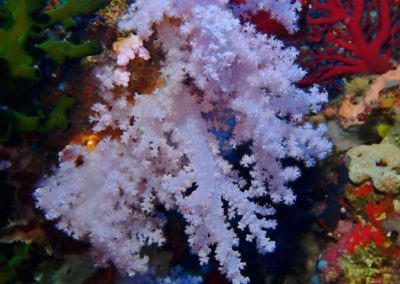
x=224, y=85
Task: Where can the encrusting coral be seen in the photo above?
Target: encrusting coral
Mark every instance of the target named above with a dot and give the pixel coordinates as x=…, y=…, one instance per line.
x=378, y=162
x=223, y=85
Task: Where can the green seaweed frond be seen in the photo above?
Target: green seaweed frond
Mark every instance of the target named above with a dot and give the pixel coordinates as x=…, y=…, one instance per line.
x=20, y=26
x=59, y=50
x=65, y=12
x=18, y=122
x=14, y=34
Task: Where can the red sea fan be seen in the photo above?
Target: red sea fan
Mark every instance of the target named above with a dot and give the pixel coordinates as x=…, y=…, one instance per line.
x=351, y=37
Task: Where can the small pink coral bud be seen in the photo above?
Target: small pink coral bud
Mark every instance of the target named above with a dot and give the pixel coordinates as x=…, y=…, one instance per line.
x=128, y=48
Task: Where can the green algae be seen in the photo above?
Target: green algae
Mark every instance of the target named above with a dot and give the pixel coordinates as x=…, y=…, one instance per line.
x=65, y=12
x=24, y=25
x=25, y=40
x=14, y=33
x=59, y=50
x=14, y=122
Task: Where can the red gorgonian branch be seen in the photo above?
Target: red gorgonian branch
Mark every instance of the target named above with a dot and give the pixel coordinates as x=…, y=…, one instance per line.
x=351, y=37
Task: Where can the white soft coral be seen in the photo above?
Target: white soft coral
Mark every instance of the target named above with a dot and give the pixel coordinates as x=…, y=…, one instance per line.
x=220, y=76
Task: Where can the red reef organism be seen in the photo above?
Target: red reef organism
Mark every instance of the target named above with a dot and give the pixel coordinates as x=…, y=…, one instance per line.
x=378, y=211
x=265, y=22
x=351, y=37
x=364, y=190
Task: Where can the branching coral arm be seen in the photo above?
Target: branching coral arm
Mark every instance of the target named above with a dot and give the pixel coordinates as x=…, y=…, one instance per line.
x=384, y=27
x=327, y=73
x=334, y=9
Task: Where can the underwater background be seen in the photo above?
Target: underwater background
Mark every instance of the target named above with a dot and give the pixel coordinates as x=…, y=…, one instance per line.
x=82, y=80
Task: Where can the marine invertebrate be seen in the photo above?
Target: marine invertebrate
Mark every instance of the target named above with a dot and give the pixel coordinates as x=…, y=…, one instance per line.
x=360, y=247
x=128, y=48
x=218, y=76
x=351, y=37
x=377, y=162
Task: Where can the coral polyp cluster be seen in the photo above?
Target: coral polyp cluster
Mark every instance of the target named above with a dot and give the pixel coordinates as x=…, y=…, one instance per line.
x=222, y=85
